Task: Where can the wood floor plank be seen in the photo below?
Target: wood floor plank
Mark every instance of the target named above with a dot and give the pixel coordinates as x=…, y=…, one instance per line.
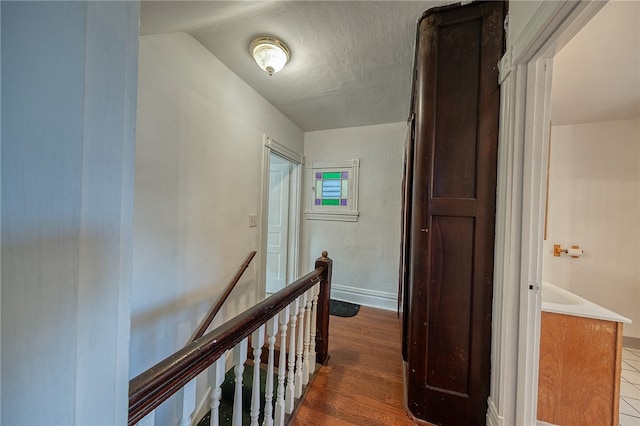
x=362, y=384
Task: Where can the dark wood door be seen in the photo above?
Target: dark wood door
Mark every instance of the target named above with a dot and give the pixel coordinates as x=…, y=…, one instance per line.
x=453, y=213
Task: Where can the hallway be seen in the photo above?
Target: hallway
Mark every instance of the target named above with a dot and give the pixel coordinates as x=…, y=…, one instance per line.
x=362, y=383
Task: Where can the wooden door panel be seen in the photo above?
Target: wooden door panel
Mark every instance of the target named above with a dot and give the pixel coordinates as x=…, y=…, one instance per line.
x=451, y=283
x=455, y=141
x=452, y=213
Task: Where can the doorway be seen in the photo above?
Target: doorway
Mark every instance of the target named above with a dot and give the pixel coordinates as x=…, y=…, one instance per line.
x=525, y=77
x=593, y=194
x=594, y=162
x=278, y=213
x=280, y=226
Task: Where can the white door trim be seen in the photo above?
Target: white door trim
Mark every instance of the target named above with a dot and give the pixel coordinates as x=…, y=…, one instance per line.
x=272, y=146
x=522, y=161
x=283, y=151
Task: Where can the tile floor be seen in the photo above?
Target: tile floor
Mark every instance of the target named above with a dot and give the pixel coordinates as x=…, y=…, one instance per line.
x=630, y=387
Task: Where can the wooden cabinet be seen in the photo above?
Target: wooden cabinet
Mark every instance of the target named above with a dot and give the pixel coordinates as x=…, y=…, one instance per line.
x=448, y=235
x=579, y=379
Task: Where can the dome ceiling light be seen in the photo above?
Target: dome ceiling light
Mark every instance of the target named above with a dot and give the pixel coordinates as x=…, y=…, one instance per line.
x=269, y=53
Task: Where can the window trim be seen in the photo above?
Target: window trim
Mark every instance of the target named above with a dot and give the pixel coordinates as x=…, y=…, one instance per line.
x=348, y=213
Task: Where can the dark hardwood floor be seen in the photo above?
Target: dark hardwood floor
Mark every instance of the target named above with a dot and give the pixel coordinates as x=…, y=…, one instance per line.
x=362, y=383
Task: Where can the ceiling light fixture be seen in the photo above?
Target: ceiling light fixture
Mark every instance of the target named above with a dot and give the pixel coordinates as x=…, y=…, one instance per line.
x=269, y=53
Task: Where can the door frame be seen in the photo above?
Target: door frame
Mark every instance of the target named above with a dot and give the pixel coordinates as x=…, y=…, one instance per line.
x=525, y=77
x=271, y=146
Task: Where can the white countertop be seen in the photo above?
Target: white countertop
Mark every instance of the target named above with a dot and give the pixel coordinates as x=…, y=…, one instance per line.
x=560, y=301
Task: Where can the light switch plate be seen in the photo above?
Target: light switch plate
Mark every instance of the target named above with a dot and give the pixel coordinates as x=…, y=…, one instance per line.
x=253, y=220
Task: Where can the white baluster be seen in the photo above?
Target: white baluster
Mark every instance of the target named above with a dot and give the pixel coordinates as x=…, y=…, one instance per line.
x=279, y=408
x=257, y=341
x=300, y=345
x=291, y=357
x=272, y=330
x=217, y=373
x=239, y=358
x=307, y=337
x=314, y=318
x=188, y=403
x=148, y=420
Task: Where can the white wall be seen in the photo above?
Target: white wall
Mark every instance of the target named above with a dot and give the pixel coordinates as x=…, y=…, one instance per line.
x=366, y=252
x=198, y=176
x=69, y=91
x=594, y=201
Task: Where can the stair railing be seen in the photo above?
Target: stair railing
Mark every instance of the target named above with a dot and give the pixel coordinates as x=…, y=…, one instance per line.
x=206, y=322
x=303, y=303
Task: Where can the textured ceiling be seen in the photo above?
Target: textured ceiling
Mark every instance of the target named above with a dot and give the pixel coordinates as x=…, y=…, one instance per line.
x=352, y=61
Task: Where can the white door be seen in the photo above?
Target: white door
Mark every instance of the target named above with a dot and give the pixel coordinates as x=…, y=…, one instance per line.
x=278, y=223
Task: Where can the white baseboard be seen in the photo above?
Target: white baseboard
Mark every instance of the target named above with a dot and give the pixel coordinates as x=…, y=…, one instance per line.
x=373, y=298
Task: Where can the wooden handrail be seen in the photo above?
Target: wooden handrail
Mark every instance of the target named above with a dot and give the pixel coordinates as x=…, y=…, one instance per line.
x=216, y=308
x=324, y=305
x=155, y=385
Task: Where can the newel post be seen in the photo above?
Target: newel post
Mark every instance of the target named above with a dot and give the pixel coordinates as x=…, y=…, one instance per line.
x=322, y=324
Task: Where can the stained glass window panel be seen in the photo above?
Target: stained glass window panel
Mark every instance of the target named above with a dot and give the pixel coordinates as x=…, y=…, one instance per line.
x=331, y=175
x=331, y=189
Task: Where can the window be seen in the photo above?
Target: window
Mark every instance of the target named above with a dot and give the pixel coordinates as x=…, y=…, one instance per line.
x=334, y=191
x=331, y=188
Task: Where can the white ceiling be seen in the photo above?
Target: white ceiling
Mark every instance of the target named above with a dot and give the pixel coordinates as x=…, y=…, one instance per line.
x=352, y=61
x=596, y=76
